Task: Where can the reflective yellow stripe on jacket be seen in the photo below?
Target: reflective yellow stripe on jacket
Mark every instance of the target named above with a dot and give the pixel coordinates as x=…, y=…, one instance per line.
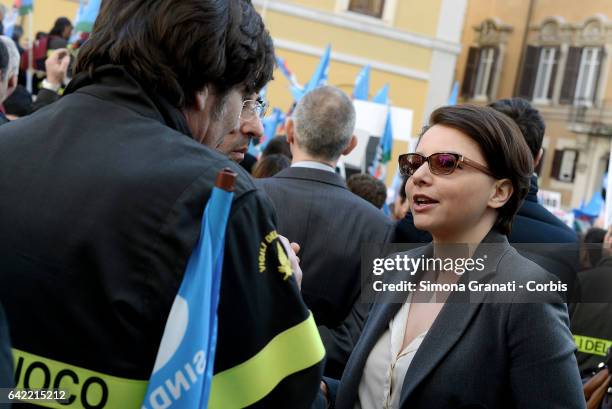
x=590, y=345
x=291, y=351
x=87, y=389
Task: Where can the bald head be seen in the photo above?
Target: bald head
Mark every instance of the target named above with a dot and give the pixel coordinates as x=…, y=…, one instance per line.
x=324, y=123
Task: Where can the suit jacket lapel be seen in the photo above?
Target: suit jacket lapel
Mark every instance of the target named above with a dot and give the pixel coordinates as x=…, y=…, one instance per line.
x=385, y=308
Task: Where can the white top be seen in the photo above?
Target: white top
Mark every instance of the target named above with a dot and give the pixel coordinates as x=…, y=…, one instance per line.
x=386, y=367
x=313, y=165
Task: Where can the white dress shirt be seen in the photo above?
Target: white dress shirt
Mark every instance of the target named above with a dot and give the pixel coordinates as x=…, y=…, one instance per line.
x=313, y=165
x=387, y=365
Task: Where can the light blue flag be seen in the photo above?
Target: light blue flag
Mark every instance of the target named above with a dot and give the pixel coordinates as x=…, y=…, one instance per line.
x=382, y=96
x=362, y=84
x=183, y=369
x=254, y=149
x=88, y=16
x=10, y=19
x=270, y=124
x=452, y=99
x=319, y=77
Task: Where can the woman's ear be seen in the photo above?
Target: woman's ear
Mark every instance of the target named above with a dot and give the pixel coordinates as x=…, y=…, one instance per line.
x=502, y=192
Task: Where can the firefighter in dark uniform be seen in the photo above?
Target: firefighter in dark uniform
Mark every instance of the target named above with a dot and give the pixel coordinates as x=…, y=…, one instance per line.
x=591, y=322
x=102, y=196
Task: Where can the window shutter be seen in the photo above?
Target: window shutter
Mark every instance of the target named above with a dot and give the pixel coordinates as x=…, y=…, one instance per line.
x=493, y=74
x=469, y=76
x=530, y=71
x=553, y=74
x=556, y=165
x=570, y=77
x=372, y=8
x=601, y=57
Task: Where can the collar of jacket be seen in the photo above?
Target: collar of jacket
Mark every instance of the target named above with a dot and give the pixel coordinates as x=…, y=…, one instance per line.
x=113, y=83
x=317, y=175
x=532, y=195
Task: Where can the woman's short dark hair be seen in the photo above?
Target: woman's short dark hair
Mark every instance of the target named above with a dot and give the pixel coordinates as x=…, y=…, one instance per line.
x=505, y=151
x=369, y=188
x=278, y=144
x=268, y=166
x=178, y=47
x=58, y=27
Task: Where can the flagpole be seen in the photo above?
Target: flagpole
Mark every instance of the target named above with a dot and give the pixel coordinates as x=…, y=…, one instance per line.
x=30, y=72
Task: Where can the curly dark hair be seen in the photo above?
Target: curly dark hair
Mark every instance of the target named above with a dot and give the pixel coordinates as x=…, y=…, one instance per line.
x=176, y=48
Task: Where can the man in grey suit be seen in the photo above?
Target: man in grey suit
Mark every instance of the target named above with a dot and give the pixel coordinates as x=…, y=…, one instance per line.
x=316, y=210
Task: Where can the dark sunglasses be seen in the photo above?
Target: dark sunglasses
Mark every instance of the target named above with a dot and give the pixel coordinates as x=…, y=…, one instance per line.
x=441, y=163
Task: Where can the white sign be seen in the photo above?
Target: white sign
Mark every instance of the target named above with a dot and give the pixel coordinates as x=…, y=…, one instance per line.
x=549, y=199
x=371, y=119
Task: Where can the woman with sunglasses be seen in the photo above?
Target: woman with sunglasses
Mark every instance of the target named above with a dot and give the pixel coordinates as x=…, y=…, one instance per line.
x=466, y=181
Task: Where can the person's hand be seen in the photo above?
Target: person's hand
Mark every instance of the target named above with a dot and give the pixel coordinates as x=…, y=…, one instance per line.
x=292, y=249
x=57, y=66
x=324, y=392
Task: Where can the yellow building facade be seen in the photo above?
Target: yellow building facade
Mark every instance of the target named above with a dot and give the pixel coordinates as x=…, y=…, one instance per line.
x=412, y=45
x=557, y=54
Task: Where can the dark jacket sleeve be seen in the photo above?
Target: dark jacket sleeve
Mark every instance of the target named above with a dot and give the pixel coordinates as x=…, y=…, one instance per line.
x=547, y=369
x=45, y=97
x=6, y=358
x=262, y=318
x=341, y=340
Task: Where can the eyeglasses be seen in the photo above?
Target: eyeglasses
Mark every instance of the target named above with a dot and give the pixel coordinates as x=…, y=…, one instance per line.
x=252, y=108
x=441, y=163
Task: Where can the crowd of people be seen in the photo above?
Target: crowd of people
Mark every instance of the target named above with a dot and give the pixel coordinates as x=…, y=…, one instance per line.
x=103, y=185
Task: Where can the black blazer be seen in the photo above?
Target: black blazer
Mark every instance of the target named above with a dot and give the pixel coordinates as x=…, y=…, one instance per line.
x=484, y=355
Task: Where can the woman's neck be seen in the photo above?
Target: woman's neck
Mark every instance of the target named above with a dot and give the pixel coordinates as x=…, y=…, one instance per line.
x=453, y=242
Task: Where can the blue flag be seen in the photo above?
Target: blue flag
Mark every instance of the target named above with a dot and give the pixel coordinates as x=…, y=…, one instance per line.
x=270, y=124
x=362, y=84
x=319, y=77
x=382, y=96
x=87, y=16
x=10, y=19
x=452, y=99
x=183, y=369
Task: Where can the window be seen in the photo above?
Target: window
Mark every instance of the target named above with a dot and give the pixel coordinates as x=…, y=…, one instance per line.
x=564, y=165
x=581, y=77
x=544, y=82
x=479, y=73
x=539, y=73
x=372, y=8
x=587, y=76
x=485, y=68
